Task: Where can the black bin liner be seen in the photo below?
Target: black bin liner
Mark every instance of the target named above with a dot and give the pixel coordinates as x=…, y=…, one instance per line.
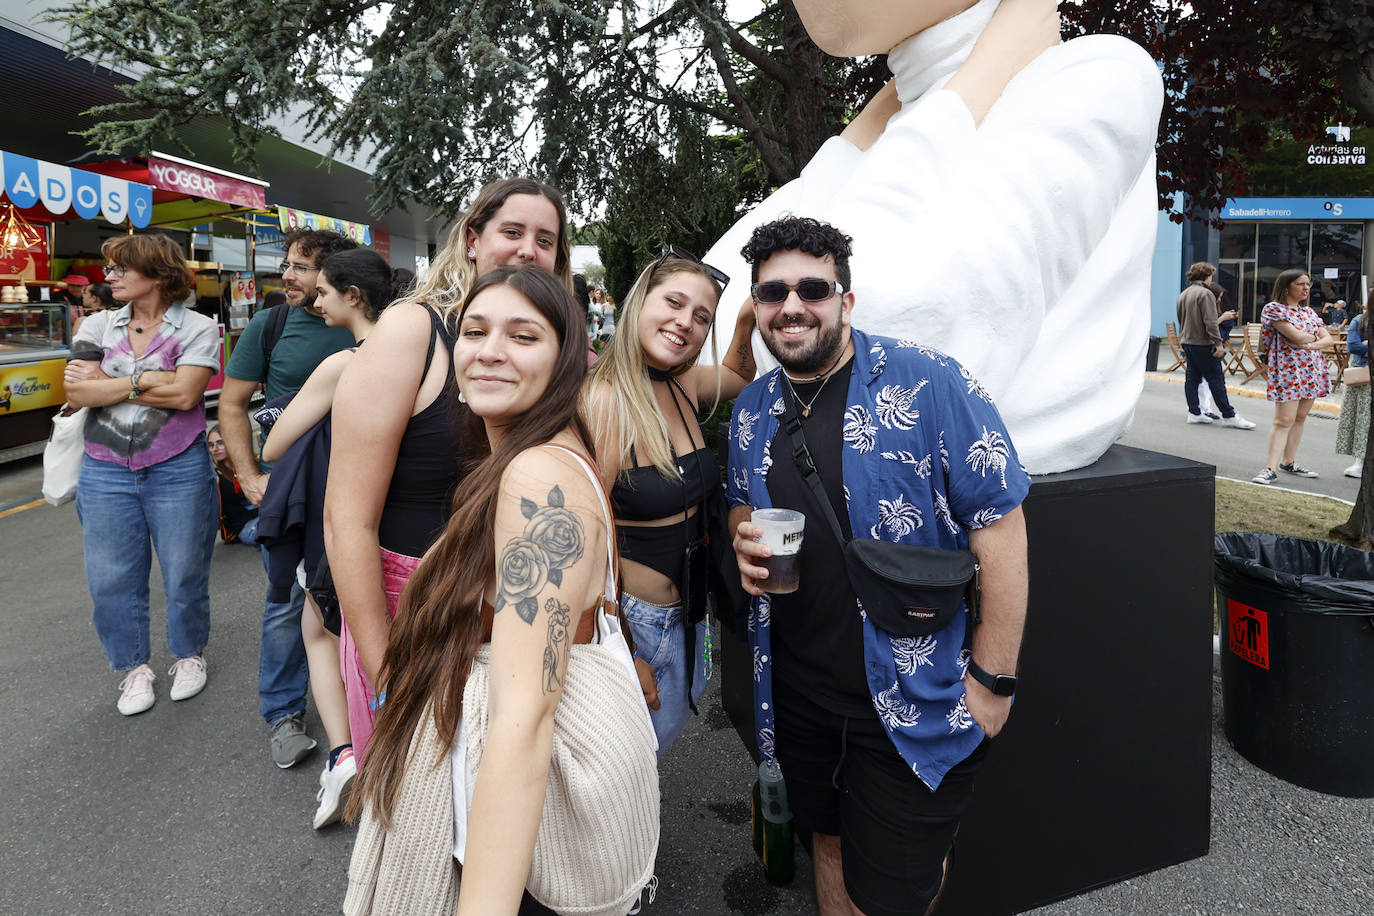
x=1297, y=658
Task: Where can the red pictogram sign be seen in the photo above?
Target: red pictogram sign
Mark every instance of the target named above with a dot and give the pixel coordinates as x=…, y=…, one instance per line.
x=1249, y=632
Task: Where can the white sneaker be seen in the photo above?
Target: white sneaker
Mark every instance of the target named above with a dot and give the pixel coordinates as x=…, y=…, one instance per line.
x=1355, y=470
x=188, y=677
x=136, y=691
x=335, y=785
x=1199, y=418
x=1237, y=422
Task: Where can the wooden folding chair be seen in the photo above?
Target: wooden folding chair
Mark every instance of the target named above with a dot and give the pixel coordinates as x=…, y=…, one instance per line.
x=1175, y=345
x=1233, y=359
x=1253, y=340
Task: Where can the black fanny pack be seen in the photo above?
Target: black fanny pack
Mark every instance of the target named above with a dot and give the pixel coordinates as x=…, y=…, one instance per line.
x=904, y=589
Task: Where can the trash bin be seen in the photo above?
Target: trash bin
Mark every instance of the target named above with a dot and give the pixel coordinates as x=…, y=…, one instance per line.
x=1152, y=354
x=1297, y=660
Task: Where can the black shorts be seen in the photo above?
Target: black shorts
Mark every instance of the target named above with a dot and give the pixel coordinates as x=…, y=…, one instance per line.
x=844, y=778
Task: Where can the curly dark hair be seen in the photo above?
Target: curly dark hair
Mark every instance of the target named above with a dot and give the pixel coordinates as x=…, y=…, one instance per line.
x=799, y=233
x=317, y=244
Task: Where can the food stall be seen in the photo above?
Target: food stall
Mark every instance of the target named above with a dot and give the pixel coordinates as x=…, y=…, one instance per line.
x=35, y=316
x=220, y=211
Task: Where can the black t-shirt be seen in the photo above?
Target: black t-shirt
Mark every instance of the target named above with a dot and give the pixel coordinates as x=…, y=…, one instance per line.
x=818, y=646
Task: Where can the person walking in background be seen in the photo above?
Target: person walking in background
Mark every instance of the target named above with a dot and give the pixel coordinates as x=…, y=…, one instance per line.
x=1352, y=433
x=279, y=351
x=1226, y=322
x=146, y=481
x=1295, y=338
x=398, y=449
x=1203, y=348
x=643, y=400
x=238, y=518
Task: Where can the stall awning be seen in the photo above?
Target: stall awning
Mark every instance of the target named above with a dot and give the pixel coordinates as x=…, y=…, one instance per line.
x=185, y=193
x=290, y=218
x=30, y=182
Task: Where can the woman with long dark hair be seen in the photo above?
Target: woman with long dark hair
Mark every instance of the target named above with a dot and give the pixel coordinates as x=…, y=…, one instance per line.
x=396, y=458
x=1296, y=340
x=514, y=583
x=644, y=396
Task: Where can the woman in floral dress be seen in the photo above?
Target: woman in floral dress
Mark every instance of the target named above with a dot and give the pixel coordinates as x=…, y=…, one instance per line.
x=1295, y=337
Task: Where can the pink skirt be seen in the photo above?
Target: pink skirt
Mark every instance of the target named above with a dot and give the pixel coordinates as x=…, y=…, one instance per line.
x=396, y=570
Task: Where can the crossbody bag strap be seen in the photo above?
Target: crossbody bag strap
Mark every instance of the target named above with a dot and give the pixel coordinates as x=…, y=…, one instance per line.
x=806, y=466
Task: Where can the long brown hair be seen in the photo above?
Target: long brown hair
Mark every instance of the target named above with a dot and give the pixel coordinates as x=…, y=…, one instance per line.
x=438, y=626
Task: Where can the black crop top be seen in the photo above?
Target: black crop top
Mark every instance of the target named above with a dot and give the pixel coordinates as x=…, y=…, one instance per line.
x=428, y=464
x=643, y=494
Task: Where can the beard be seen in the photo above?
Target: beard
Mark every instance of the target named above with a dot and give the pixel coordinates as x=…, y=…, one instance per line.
x=807, y=359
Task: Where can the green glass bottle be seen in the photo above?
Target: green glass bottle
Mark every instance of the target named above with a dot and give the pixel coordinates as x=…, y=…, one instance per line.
x=757, y=811
x=777, y=824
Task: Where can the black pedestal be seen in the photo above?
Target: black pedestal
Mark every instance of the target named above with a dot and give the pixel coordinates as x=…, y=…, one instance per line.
x=1104, y=771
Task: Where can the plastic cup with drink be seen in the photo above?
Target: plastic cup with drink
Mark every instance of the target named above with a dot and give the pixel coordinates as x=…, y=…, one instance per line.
x=782, y=533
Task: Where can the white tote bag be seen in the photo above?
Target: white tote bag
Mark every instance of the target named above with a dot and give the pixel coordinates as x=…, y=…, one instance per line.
x=62, y=456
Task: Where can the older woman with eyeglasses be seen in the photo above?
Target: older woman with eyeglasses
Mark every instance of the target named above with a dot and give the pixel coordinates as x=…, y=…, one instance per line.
x=146, y=481
x=644, y=396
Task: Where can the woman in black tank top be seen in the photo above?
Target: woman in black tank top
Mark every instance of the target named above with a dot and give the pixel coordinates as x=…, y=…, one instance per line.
x=398, y=425
x=643, y=398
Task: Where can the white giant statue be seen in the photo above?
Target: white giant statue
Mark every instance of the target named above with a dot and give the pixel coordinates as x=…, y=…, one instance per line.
x=1001, y=196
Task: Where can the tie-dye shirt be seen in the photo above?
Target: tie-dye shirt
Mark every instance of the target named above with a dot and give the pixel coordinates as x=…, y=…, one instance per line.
x=135, y=435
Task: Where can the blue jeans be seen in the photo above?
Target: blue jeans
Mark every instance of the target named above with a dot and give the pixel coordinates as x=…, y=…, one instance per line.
x=125, y=515
x=282, y=672
x=661, y=640
x=248, y=534
x=1203, y=366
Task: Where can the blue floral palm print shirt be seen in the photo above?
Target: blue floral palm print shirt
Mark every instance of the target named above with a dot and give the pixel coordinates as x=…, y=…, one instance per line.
x=926, y=459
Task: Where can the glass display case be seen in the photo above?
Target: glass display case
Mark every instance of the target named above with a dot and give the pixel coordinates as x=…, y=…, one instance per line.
x=29, y=326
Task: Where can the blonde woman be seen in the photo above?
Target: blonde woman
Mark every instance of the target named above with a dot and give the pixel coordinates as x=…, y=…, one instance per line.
x=644, y=396
x=396, y=457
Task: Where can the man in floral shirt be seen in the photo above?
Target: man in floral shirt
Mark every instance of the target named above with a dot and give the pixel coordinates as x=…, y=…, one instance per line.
x=878, y=737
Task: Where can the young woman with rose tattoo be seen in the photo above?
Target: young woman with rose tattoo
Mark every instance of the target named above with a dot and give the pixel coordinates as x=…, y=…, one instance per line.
x=521, y=571
x=396, y=459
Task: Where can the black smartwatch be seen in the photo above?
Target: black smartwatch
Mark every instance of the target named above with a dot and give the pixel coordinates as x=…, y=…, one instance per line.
x=1003, y=685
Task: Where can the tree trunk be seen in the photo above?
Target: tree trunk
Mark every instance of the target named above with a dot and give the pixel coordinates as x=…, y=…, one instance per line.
x=1358, y=530
x=812, y=114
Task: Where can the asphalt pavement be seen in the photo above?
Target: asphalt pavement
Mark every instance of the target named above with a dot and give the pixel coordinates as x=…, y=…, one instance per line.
x=181, y=810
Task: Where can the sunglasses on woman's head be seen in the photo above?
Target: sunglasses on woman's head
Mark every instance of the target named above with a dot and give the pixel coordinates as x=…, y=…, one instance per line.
x=673, y=251
x=812, y=289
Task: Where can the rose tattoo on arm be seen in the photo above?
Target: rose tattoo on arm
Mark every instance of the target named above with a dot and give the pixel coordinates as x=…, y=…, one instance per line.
x=560, y=616
x=551, y=542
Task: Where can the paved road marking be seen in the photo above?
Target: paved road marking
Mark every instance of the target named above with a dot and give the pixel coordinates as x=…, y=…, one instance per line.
x=17, y=509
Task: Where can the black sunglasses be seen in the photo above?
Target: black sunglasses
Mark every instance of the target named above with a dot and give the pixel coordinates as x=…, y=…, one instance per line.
x=812, y=289
x=673, y=251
